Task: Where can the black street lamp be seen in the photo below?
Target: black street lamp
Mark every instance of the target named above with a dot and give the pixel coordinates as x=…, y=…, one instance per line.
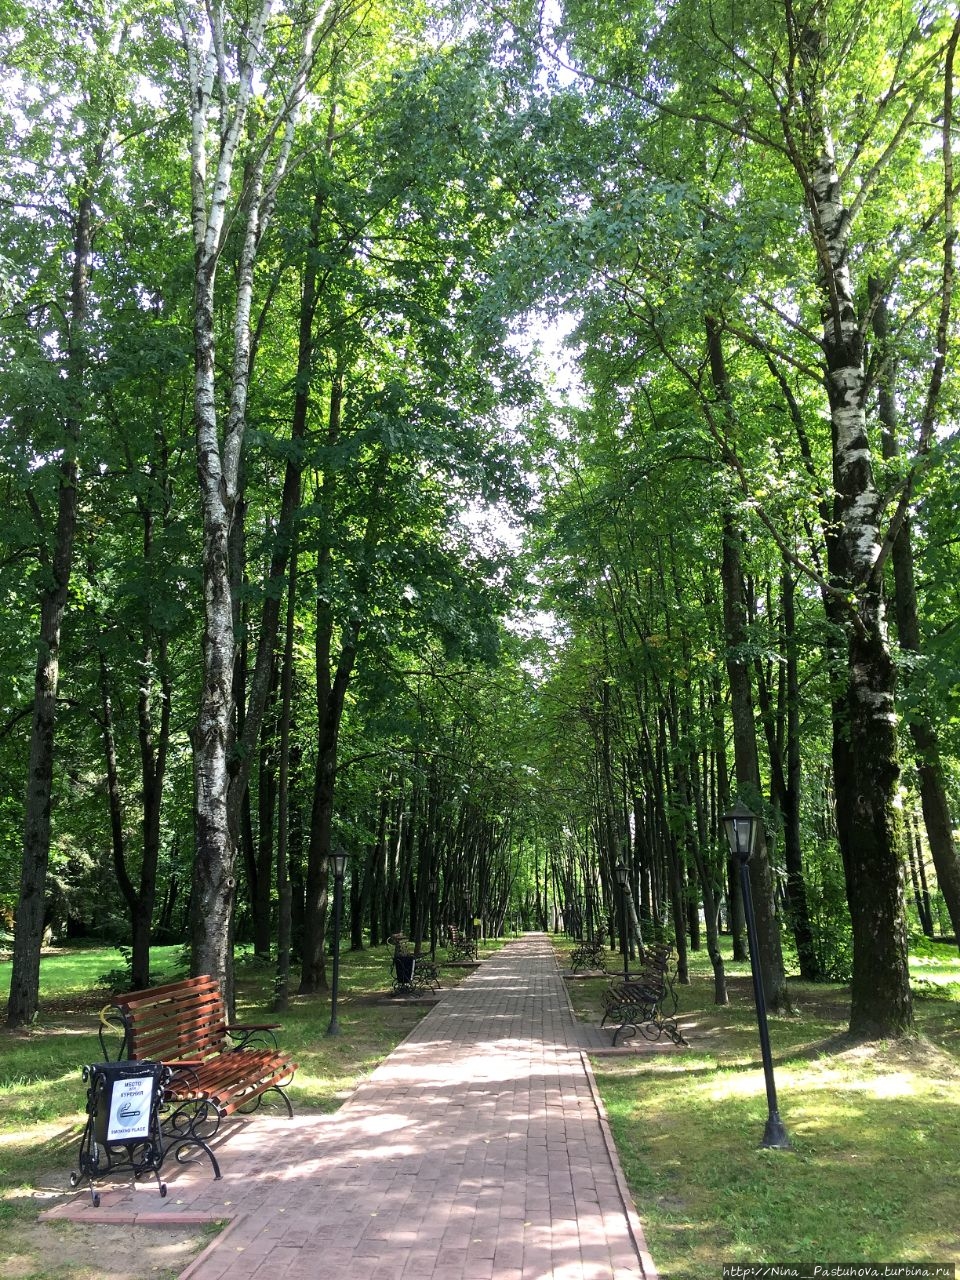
x=623, y=875
x=741, y=828
x=339, y=860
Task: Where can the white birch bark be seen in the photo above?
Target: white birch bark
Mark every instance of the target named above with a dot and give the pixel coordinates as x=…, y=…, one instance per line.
x=222, y=80
x=866, y=763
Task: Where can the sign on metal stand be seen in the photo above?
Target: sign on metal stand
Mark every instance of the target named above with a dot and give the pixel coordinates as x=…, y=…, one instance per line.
x=123, y=1122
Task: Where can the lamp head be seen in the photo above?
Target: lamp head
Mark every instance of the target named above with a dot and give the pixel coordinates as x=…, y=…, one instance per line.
x=339, y=859
x=622, y=874
x=741, y=827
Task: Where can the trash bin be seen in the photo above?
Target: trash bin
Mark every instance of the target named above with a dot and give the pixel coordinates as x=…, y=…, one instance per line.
x=123, y=1122
x=403, y=967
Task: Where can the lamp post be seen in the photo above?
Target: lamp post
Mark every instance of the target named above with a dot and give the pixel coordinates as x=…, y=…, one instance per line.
x=432, y=889
x=339, y=860
x=741, y=829
x=623, y=876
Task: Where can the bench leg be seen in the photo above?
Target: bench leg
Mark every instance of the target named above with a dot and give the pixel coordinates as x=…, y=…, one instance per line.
x=183, y=1133
x=660, y=1026
x=255, y=1104
x=630, y=1027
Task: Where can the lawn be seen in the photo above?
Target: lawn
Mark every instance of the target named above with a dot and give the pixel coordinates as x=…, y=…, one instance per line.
x=875, y=1129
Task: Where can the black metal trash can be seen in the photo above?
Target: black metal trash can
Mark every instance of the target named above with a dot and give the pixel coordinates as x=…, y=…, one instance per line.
x=123, y=1122
x=403, y=968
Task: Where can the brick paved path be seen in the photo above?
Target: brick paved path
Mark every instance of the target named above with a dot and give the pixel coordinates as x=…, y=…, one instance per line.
x=476, y=1151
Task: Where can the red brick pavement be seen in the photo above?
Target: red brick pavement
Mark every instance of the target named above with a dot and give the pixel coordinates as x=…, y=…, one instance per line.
x=478, y=1150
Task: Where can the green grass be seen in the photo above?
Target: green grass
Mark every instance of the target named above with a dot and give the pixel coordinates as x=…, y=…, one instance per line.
x=42, y=1094
x=875, y=1129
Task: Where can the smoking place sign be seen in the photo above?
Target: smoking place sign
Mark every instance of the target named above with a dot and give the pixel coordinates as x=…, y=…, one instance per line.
x=130, y=1109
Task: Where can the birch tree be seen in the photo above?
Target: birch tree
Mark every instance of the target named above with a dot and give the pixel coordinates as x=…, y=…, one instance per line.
x=815, y=121
x=247, y=76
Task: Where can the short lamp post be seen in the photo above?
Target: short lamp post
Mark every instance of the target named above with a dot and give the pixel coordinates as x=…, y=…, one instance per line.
x=432, y=890
x=339, y=860
x=741, y=828
x=623, y=875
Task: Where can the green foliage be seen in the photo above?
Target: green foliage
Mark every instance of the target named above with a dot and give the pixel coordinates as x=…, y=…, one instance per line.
x=119, y=978
x=829, y=915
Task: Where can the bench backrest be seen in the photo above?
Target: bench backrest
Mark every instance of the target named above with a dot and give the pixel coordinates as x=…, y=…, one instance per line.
x=185, y=1019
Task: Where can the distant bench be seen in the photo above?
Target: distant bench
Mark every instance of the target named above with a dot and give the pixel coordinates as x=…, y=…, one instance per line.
x=589, y=955
x=217, y=1068
x=412, y=974
x=461, y=947
x=645, y=1003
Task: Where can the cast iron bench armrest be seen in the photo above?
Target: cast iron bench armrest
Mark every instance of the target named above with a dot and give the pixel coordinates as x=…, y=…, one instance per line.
x=253, y=1033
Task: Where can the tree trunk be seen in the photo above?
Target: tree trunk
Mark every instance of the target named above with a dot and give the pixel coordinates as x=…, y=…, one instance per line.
x=737, y=919
x=266, y=813
x=785, y=773
x=793, y=857
x=284, y=893
x=218, y=464
x=746, y=757
x=140, y=899
x=331, y=694
x=264, y=668
x=866, y=763
x=747, y=766
x=919, y=898
x=29, y=923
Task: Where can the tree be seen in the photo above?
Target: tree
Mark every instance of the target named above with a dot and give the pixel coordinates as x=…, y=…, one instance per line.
x=757, y=125
x=258, y=72
x=66, y=130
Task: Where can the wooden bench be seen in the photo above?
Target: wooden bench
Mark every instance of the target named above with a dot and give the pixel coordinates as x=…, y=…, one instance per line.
x=461, y=947
x=412, y=974
x=645, y=1003
x=216, y=1068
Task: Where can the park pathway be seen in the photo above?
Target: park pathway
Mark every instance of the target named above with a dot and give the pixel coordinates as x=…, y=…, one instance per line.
x=478, y=1150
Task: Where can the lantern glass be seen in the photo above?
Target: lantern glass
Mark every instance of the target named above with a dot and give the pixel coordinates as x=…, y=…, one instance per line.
x=339, y=859
x=741, y=828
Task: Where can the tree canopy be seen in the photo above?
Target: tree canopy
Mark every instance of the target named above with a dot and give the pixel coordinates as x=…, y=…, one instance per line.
x=307, y=543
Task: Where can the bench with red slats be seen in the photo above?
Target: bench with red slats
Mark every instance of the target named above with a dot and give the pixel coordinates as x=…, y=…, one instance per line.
x=218, y=1068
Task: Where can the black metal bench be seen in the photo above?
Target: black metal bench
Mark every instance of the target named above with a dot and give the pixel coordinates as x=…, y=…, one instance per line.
x=412, y=974
x=589, y=955
x=645, y=1003
x=460, y=946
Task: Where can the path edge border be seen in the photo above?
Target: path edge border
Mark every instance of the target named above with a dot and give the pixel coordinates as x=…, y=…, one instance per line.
x=212, y=1245
x=634, y=1224
x=630, y=1209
